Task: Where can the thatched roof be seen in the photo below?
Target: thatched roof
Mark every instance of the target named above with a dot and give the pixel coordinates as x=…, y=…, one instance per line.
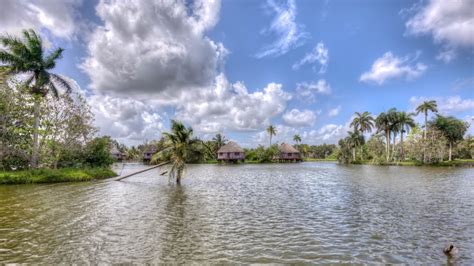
x=230, y=147
x=287, y=148
x=114, y=150
x=151, y=149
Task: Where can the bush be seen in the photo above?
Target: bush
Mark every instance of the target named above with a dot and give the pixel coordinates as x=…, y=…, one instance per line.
x=54, y=176
x=97, y=153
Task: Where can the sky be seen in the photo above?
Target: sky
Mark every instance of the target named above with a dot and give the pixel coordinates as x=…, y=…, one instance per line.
x=236, y=66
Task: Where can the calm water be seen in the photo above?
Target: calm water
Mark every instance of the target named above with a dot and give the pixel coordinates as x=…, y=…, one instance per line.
x=291, y=213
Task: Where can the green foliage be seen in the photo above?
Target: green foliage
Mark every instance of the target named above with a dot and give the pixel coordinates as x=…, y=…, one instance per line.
x=97, y=153
x=452, y=128
x=54, y=176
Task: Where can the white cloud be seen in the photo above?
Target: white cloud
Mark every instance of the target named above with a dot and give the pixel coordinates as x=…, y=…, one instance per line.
x=127, y=120
x=283, y=134
x=307, y=90
x=59, y=17
x=450, y=22
x=289, y=34
x=319, y=54
x=225, y=106
x=447, y=55
x=390, y=67
x=334, y=112
x=447, y=105
x=153, y=47
x=299, y=118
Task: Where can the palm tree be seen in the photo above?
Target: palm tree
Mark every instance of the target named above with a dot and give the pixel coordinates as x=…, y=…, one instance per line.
x=26, y=56
x=406, y=122
x=424, y=108
x=355, y=139
x=180, y=144
x=271, y=130
x=393, y=116
x=383, y=123
x=362, y=123
x=297, y=138
x=219, y=140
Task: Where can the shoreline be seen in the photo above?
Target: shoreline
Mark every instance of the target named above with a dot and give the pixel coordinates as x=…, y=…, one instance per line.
x=46, y=176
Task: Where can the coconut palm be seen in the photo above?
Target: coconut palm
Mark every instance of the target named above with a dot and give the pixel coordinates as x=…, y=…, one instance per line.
x=297, y=138
x=406, y=122
x=271, y=130
x=383, y=123
x=179, y=145
x=27, y=57
x=362, y=122
x=425, y=107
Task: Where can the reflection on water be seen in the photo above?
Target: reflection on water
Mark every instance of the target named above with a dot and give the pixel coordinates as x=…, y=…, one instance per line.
x=292, y=213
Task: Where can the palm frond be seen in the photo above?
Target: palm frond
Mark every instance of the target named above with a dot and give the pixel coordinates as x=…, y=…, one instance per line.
x=61, y=82
x=50, y=60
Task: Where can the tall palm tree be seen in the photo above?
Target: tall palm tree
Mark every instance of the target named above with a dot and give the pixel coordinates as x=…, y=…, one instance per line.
x=425, y=107
x=383, y=123
x=406, y=122
x=26, y=56
x=179, y=145
x=362, y=122
x=393, y=116
x=297, y=138
x=271, y=130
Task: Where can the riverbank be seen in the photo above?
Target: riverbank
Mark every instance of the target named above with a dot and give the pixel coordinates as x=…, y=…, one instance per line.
x=454, y=163
x=54, y=175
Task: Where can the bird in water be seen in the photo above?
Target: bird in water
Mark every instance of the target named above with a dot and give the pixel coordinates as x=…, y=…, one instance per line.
x=450, y=250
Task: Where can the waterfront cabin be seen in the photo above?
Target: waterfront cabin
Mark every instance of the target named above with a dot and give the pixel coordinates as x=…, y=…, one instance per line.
x=149, y=152
x=288, y=153
x=116, y=154
x=231, y=152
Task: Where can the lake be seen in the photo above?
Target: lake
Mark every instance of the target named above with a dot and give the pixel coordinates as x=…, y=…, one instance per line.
x=273, y=213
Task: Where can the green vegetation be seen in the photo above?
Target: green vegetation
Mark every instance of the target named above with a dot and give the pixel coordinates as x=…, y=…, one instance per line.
x=40, y=128
x=441, y=140
x=54, y=175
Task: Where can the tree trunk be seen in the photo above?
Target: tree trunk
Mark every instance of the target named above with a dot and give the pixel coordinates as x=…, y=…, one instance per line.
x=424, y=137
x=361, y=152
x=270, y=140
x=450, y=150
x=426, y=122
x=178, y=177
x=353, y=154
x=394, y=144
x=35, y=152
x=387, y=145
x=402, y=153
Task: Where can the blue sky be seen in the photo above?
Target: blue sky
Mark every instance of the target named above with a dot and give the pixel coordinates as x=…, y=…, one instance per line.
x=236, y=66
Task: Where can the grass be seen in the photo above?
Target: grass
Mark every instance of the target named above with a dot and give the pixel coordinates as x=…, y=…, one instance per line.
x=54, y=175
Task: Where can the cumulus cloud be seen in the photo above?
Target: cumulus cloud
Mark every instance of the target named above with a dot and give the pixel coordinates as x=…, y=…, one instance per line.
x=150, y=47
x=227, y=106
x=58, y=17
x=334, y=112
x=390, y=67
x=288, y=33
x=129, y=121
x=283, y=134
x=447, y=105
x=299, y=118
x=307, y=90
x=320, y=54
x=448, y=22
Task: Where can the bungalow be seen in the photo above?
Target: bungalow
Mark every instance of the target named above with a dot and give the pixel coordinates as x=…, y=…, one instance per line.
x=149, y=152
x=231, y=152
x=116, y=154
x=289, y=153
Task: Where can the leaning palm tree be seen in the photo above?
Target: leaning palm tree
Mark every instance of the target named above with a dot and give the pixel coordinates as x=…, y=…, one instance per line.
x=179, y=147
x=355, y=139
x=297, y=138
x=27, y=57
x=383, y=123
x=425, y=107
x=271, y=130
x=362, y=122
x=406, y=122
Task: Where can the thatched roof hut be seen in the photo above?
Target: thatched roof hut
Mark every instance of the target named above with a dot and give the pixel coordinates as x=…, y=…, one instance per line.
x=149, y=152
x=288, y=152
x=230, y=152
x=116, y=153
